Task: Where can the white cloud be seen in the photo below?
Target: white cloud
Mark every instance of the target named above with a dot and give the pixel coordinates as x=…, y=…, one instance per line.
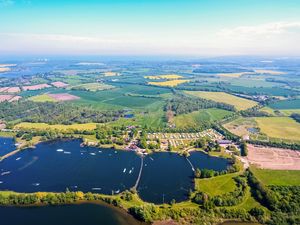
x=279, y=38
x=5, y=3
x=266, y=30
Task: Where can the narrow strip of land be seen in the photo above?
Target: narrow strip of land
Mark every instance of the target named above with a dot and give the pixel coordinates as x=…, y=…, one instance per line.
x=140, y=174
x=190, y=164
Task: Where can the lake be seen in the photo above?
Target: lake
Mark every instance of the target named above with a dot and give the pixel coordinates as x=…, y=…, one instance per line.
x=63, y=164
x=90, y=214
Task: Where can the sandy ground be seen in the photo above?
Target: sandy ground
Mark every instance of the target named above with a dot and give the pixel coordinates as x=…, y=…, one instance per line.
x=63, y=97
x=35, y=87
x=59, y=84
x=273, y=158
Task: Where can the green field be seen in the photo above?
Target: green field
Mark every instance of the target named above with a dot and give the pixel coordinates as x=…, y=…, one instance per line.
x=217, y=185
x=277, y=177
x=197, y=118
x=42, y=98
x=44, y=126
x=237, y=102
x=92, y=87
x=279, y=127
x=286, y=104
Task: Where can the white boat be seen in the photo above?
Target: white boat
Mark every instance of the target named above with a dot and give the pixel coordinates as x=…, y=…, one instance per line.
x=130, y=171
x=92, y=153
x=100, y=151
x=117, y=191
x=67, y=152
x=124, y=170
x=151, y=158
x=17, y=159
x=1, y=182
x=96, y=189
x=5, y=173
x=116, y=152
x=60, y=150
x=36, y=184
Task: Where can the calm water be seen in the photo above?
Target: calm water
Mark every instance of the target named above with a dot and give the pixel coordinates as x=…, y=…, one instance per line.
x=85, y=214
x=6, y=145
x=57, y=165
x=168, y=176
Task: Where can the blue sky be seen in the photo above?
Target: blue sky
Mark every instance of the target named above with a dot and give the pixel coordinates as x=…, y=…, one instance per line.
x=177, y=27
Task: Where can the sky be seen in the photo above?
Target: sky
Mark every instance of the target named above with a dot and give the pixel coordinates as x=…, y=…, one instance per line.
x=150, y=27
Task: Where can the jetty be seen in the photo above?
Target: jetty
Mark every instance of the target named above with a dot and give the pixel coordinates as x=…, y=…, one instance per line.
x=140, y=174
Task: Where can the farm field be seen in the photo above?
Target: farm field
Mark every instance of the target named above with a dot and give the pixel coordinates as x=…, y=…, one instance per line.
x=9, y=98
x=279, y=127
x=167, y=77
x=92, y=87
x=10, y=89
x=35, y=87
x=216, y=185
x=197, y=118
x=54, y=97
x=59, y=84
x=273, y=158
x=42, y=98
x=61, y=127
x=115, y=98
x=237, y=102
x=169, y=83
x=286, y=104
x=277, y=177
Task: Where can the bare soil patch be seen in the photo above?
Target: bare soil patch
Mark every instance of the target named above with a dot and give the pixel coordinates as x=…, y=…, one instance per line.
x=10, y=89
x=273, y=158
x=63, y=97
x=59, y=84
x=35, y=87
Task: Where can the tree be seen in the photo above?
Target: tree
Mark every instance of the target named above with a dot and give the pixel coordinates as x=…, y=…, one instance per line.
x=197, y=173
x=244, y=149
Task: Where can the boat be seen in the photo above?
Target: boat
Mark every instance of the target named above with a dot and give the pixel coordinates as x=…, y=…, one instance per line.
x=5, y=173
x=96, y=189
x=124, y=170
x=60, y=150
x=100, y=151
x=36, y=184
x=130, y=171
x=67, y=152
x=117, y=191
x=17, y=159
x=151, y=158
x=92, y=153
x=1, y=182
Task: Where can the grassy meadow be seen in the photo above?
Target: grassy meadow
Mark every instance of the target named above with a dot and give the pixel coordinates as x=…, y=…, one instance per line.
x=216, y=185
x=197, y=118
x=279, y=127
x=277, y=177
x=61, y=127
